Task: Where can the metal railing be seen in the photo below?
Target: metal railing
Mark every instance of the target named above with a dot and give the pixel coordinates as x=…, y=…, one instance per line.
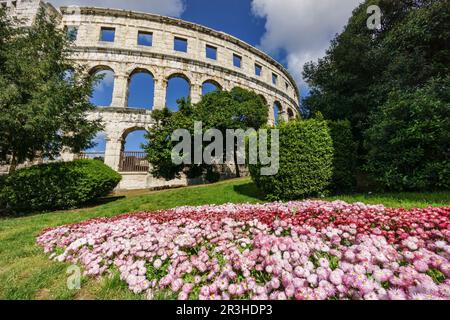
x=133, y=161
x=92, y=155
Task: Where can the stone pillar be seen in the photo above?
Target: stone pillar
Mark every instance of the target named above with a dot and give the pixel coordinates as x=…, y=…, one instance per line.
x=120, y=94
x=271, y=115
x=113, y=152
x=160, y=94
x=284, y=115
x=196, y=93
x=67, y=155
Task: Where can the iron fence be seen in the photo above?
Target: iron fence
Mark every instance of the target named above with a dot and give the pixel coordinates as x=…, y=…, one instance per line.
x=92, y=155
x=133, y=161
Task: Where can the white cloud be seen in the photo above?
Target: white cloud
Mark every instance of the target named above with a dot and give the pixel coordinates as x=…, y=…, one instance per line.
x=106, y=84
x=303, y=28
x=172, y=8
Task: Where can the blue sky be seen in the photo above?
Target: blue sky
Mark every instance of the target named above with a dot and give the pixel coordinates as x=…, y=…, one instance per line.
x=291, y=31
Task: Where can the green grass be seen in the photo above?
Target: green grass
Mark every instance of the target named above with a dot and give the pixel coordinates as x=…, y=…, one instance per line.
x=27, y=273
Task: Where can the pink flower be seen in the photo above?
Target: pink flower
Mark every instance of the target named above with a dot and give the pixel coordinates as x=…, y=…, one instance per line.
x=182, y=296
x=421, y=266
x=336, y=277
x=233, y=249
x=275, y=283
x=289, y=291
x=313, y=280
x=396, y=294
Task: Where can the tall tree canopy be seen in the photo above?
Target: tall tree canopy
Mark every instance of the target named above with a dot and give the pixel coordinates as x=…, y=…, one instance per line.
x=363, y=66
x=43, y=94
x=392, y=84
x=221, y=110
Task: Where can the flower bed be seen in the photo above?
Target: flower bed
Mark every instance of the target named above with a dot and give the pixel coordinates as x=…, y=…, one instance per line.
x=295, y=250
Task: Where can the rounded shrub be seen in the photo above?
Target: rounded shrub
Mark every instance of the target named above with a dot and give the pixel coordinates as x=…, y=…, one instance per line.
x=344, y=156
x=61, y=185
x=305, y=162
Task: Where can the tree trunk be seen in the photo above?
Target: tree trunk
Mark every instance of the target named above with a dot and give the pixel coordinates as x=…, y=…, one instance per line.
x=238, y=172
x=13, y=164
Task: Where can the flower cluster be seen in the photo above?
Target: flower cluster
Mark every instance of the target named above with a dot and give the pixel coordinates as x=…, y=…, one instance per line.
x=295, y=250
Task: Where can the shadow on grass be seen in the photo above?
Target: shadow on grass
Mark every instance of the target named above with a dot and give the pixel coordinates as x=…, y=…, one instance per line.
x=249, y=190
x=5, y=213
x=101, y=201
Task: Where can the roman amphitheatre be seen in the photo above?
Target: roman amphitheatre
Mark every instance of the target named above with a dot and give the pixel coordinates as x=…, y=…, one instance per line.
x=126, y=45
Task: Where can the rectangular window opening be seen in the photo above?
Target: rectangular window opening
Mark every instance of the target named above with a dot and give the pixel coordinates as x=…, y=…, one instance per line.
x=145, y=38
x=237, y=61
x=211, y=52
x=72, y=33
x=180, y=45
x=258, y=70
x=274, y=78
x=108, y=34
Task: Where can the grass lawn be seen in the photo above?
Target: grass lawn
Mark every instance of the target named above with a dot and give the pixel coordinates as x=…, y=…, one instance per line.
x=27, y=273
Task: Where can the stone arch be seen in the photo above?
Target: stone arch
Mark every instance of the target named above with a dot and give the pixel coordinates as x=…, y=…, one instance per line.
x=291, y=114
x=97, y=151
x=264, y=99
x=127, y=134
x=103, y=90
x=132, y=155
x=210, y=85
x=178, y=86
x=141, y=89
x=179, y=75
x=277, y=111
x=133, y=68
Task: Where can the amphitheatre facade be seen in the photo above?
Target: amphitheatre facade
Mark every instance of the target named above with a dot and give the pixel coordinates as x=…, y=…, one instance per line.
x=126, y=43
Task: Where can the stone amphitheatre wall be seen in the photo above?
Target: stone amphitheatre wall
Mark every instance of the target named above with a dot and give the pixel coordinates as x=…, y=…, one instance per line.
x=125, y=57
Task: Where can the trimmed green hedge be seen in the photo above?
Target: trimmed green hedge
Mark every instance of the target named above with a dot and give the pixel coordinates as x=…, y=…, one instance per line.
x=344, y=156
x=306, y=162
x=61, y=185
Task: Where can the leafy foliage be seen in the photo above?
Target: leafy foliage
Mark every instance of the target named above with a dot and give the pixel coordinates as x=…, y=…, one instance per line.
x=389, y=84
x=306, y=162
x=159, y=146
x=43, y=94
x=409, y=141
x=221, y=110
x=344, y=156
x=363, y=66
x=60, y=185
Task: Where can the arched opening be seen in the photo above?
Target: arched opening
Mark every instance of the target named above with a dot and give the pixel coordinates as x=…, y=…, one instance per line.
x=97, y=151
x=103, y=89
x=134, y=139
x=178, y=87
x=210, y=86
x=68, y=75
x=141, y=90
x=277, y=109
x=133, y=157
x=291, y=114
x=264, y=100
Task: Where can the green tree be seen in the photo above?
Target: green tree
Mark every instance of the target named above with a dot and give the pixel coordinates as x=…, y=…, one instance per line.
x=222, y=110
x=237, y=109
x=43, y=94
x=363, y=66
x=160, y=145
x=409, y=141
